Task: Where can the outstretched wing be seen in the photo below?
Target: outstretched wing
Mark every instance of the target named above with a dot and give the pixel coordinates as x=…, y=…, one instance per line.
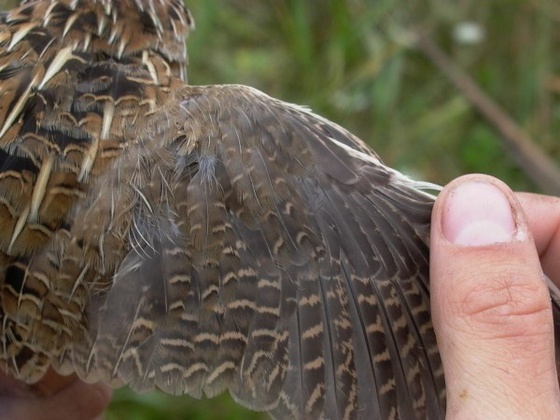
x=262, y=249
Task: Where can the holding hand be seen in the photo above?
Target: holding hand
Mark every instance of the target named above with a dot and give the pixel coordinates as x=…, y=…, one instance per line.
x=54, y=397
x=490, y=302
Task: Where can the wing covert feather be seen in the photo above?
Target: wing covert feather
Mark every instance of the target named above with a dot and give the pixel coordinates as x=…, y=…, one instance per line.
x=286, y=265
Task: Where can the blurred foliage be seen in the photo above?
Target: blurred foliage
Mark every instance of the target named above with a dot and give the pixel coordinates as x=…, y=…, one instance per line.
x=351, y=61
x=158, y=406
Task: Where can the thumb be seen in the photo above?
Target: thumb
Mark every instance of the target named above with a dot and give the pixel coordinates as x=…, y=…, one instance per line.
x=491, y=307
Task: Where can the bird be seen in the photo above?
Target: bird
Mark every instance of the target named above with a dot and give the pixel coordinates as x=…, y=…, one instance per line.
x=200, y=239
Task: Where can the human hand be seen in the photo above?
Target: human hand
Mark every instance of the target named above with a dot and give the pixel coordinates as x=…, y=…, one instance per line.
x=54, y=397
x=490, y=303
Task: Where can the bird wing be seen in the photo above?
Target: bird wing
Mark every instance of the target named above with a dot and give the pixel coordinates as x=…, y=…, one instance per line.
x=259, y=248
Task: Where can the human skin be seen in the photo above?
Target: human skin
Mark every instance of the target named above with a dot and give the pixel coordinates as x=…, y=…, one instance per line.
x=54, y=397
x=490, y=302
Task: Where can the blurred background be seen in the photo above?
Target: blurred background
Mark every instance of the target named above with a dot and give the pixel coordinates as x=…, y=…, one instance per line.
x=356, y=63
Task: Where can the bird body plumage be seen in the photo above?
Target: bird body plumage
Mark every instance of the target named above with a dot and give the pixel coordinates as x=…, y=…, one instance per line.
x=198, y=239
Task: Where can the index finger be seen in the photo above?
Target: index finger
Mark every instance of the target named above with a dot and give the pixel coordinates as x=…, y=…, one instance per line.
x=543, y=214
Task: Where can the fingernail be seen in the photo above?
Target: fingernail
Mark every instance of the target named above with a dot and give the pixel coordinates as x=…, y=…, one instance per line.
x=476, y=214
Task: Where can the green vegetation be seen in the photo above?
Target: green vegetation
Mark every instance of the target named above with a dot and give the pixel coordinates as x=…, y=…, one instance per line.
x=351, y=61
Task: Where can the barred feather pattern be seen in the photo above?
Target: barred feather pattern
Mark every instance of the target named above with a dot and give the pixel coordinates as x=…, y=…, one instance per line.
x=259, y=250
x=198, y=239
x=75, y=76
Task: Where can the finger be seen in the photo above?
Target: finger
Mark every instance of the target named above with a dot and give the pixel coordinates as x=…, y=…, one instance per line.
x=51, y=383
x=543, y=218
x=83, y=401
x=491, y=308
x=76, y=401
x=11, y=387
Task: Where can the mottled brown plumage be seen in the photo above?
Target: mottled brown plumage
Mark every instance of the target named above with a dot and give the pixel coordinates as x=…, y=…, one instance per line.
x=199, y=239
